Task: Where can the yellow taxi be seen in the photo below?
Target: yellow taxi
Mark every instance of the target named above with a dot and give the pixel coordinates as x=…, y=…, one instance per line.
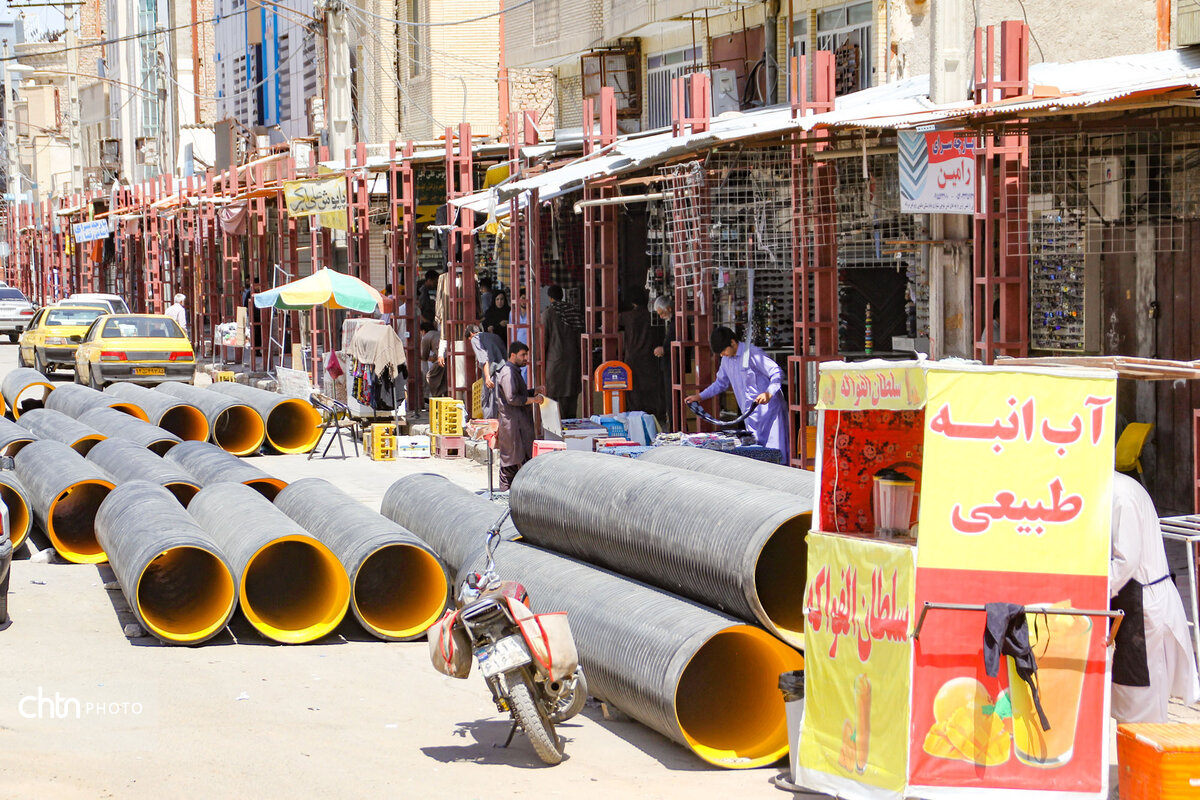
x=52, y=336
x=134, y=348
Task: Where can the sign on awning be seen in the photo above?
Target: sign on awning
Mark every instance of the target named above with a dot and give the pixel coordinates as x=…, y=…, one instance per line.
x=937, y=172
x=305, y=198
x=90, y=231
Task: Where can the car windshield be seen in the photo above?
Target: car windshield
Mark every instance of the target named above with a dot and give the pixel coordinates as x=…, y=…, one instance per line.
x=141, y=328
x=72, y=316
x=12, y=294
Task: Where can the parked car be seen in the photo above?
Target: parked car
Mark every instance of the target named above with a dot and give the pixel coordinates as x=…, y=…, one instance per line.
x=16, y=312
x=52, y=337
x=135, y=348
x=115, y=303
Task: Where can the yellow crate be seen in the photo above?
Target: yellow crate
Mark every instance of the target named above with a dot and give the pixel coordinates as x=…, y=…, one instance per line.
x=477, y=399
x=446, y=416
x=379, y=442
x=226, y=376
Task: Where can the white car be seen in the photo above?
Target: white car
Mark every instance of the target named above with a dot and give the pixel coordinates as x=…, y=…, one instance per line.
x=15, y=312
x=115, y=303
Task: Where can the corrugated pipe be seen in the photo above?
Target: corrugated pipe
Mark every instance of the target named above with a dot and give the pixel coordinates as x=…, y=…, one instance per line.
x=20, y=512
x=173, y=575
x=450, y=519
x=705, y=680
x=398, y=588
x=13, y=437
x=74, y=400
x=127, y=461
x=113, y=423
x=57, y=426
x=24, y=389
x=234, y=427
x=293, y=425
x=799, y=482
x=292, y=587
x=210, y=464
x=727, y=544
x=65, y=492
x=167, y=412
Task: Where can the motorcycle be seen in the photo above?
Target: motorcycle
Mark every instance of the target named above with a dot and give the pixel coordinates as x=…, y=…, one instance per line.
x=529, y=660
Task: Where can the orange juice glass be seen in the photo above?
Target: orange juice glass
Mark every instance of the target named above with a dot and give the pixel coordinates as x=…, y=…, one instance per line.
x=1060, y=645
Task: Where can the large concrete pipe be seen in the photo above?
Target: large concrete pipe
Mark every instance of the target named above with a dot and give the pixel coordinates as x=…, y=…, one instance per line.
x=24, y=389
x=703, y=679
x=167, y=412
x=128, y=461
x=293, y=425
x=55, y=425
x=173, y=575
x=292, y=587
x=65, y=491
x=727, y=544
x=208, y=464
x=13, y=437
x=398, y=588
x=20, y=512
x=113, y=423
x=234, y=427
x=452, y=520
x=799, y=482
x=73, y=400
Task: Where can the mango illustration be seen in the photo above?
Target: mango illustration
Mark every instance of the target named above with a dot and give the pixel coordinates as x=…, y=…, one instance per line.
x=968, y=726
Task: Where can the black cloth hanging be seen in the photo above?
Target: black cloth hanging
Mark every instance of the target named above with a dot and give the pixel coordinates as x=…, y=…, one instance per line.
x=699, y=411
x=1130, y=665
x=1007, y=633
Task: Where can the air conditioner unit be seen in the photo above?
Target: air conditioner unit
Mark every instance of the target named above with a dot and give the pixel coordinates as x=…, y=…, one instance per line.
x=725, y=95
x=1187, y=23
x=1106, y=187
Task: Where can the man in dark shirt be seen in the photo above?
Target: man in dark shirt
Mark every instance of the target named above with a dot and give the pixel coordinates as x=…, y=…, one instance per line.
x=514, y=436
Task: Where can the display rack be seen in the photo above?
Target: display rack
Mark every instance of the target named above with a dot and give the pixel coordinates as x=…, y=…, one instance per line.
x=1058, y=267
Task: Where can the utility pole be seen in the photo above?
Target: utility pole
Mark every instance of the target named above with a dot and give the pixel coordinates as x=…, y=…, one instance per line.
x=74, y=132
x=12, y=185
x=338, y=110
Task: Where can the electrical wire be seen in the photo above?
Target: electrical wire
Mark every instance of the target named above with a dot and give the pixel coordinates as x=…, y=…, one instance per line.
x=270, y=76
x=450, y=22
x=392, y=77
x=487, y=71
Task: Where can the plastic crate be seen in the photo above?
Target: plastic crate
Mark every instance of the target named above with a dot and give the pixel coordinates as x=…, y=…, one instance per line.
x=450, y=446
x=615, y=427
x=224, y=376
x=1158, y=761
x=446, y=416
x=541, y=446
x=379, y=441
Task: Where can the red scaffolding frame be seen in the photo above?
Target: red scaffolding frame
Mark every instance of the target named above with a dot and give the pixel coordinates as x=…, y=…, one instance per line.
x=601, y=339
x=460, y=266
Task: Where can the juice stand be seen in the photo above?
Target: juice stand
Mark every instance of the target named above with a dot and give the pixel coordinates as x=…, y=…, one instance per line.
x=1009, y=470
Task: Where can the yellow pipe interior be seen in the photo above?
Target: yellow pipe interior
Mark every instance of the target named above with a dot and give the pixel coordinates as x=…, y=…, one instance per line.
x=72, y=521
x=125, y=407
x=160, y=446
x=18, y=514
x=185, y=595
x=267, y=487
x=728, y=703
x=20, y=405
x=293, y=426
x=239, y=430
x=399, y=591
x=779, y=578
x=183, y=492
x=86, y=443
x=186, y=422
x=294, y=590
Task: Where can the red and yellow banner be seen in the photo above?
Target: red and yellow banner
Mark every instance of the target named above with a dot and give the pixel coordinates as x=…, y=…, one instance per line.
x=855, y=389
x=859, y=612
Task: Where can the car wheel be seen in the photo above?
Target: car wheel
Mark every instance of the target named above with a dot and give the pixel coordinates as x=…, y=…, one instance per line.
x=92, y=382
x=21, y=362
x=37, y=363
x=78, y=379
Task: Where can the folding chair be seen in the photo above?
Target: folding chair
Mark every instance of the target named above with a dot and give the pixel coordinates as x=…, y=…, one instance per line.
x=335, y=416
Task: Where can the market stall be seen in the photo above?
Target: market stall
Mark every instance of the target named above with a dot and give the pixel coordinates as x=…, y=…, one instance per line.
x=944, y=487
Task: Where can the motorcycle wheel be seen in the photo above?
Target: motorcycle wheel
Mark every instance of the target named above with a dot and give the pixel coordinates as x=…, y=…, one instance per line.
x=534, y=722
x=574, y=703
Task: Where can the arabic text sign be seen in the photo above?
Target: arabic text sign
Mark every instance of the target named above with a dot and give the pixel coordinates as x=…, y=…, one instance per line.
x=304, y=198
x=90, y=231
x=859, y=603
x=892, y=388
x=1038, y=450
x=937, y=172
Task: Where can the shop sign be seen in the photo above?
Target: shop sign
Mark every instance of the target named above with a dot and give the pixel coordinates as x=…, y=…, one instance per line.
x=90, y=231
x=859, y=612
x=889, y=388
x=937, y=172
x=305, y=198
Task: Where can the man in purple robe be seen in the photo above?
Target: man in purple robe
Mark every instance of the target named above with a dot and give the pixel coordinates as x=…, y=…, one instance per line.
x=755, y=380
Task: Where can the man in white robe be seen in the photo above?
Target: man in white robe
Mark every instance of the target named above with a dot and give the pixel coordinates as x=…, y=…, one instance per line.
x=1138, y=554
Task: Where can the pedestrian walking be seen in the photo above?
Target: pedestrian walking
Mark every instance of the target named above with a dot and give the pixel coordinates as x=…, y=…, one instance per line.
x=665, y=309
x=178, y=313
x=490, y=353
x=563, y=326
x=515, y=433
x=755, y=380
x=387, y=309
x=435, y=373
x=495, y=319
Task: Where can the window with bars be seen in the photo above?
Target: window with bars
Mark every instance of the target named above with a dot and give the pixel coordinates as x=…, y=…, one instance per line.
x=661, y=69
x=847, y=32
x=285, y=85
x=414, y=35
